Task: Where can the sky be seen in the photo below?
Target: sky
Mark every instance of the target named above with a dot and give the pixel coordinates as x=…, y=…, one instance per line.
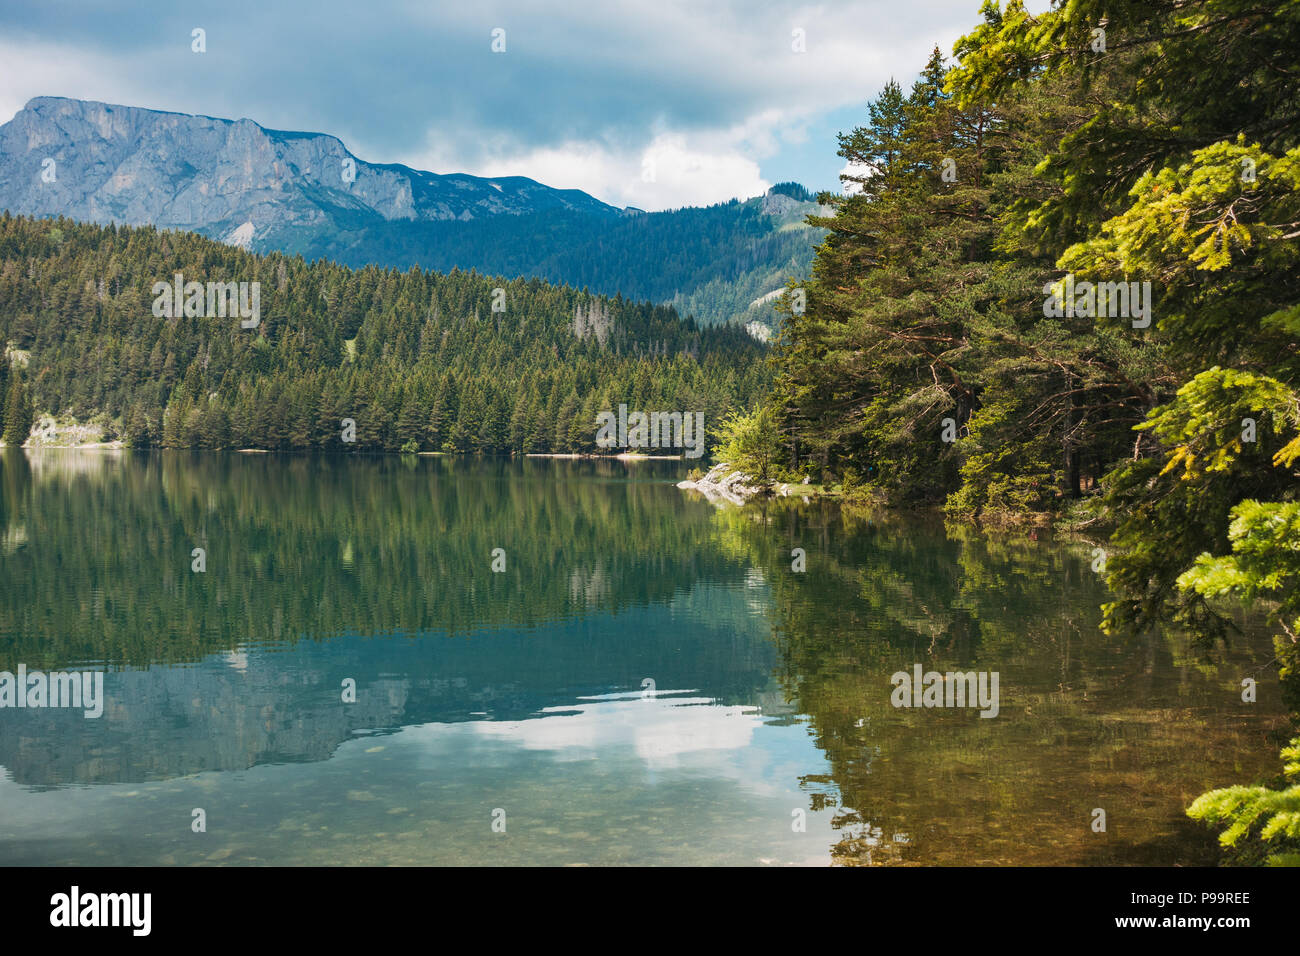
x=649, y=103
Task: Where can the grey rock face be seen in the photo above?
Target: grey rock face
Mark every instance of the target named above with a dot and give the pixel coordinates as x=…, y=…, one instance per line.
x=231, y=179
x=778, y=204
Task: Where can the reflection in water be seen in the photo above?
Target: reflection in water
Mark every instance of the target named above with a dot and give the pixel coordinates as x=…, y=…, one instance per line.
x=647, y=682
x=657, y=729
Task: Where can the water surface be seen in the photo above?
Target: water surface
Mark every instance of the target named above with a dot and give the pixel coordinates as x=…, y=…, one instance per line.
x=647, y=681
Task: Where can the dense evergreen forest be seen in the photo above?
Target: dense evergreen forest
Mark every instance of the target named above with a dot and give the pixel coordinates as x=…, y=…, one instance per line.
x=709, y=262
x=419, y=361
x=953, y=350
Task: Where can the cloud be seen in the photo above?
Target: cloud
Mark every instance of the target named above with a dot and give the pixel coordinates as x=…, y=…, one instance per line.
x=663, y=732
x=35, y=68
x=858, y=171
x=583, y=96
x=673, y=169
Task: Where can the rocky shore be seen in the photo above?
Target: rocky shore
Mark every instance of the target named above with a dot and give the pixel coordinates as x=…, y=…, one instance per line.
x=724, y=483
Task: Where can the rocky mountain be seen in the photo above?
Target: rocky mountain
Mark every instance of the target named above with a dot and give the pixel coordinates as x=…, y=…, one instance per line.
x=231, y=179
x=305, y=193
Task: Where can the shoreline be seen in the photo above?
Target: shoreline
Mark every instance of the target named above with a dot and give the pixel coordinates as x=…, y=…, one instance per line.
x=119, y=445
x=721, y=484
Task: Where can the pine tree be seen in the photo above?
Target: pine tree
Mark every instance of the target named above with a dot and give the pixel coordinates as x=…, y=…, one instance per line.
x=4, y=386
x=19, y=414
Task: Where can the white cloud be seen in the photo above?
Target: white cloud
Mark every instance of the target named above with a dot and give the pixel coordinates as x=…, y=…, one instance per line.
x=673, y=170
x=662, y=731
x=853, y=169
x=48, y=69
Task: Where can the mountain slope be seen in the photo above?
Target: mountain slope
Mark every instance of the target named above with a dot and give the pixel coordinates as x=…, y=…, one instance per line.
x=137, y=166
x=456, y=362
x=304, y=193
x=710, y=263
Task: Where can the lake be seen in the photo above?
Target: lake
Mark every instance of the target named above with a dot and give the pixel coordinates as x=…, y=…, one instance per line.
x=401, y=660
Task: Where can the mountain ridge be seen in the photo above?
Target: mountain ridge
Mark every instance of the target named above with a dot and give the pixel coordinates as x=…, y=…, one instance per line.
x=305, y=193
x=138, y=166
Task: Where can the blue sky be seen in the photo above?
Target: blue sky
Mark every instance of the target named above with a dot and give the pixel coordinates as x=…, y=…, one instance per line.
x=656, y=104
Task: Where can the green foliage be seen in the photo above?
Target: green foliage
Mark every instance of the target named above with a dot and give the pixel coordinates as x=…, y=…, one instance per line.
x=1221, y=252
x=1262, y=823
x=1265, y=560
x=415, y=359
x=925, y=304
x=749, y=442
x=1183, y=509
x=18, y=413
x=4, y=385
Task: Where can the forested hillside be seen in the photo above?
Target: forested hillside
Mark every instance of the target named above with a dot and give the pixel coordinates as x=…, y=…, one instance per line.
x=416, y=359
x=710, y=263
